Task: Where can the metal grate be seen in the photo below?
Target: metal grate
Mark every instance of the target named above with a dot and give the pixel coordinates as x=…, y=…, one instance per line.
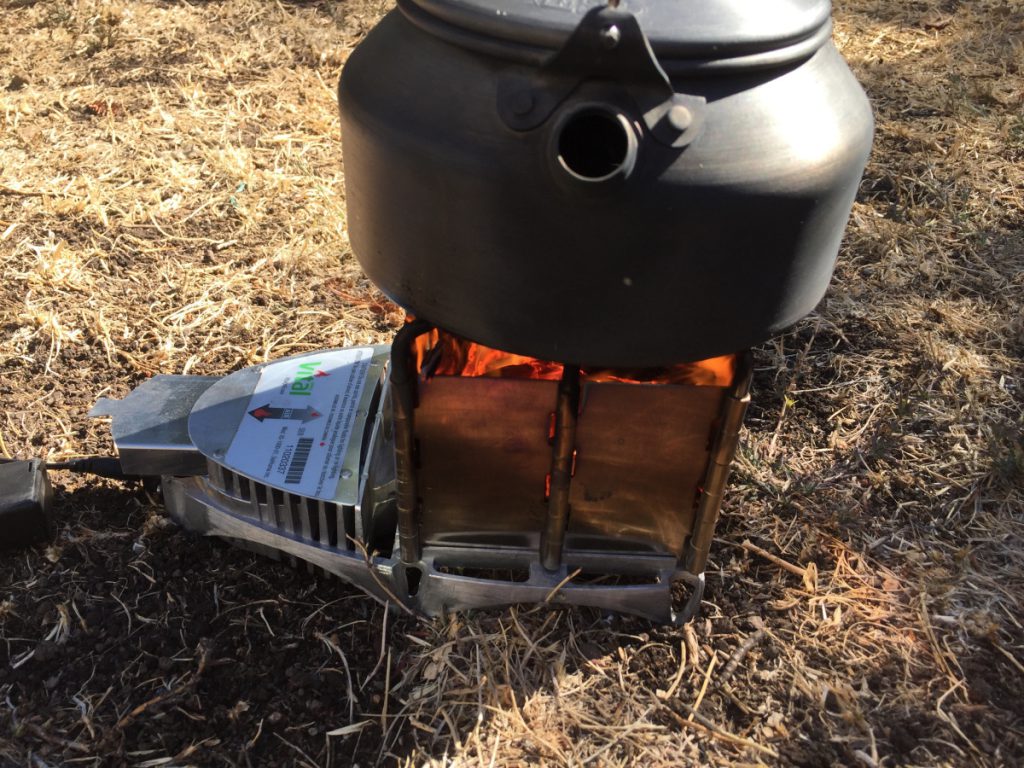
x=299, y=517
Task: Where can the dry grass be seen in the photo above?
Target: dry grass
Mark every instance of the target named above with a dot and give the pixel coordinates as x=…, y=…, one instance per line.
x=171, y=201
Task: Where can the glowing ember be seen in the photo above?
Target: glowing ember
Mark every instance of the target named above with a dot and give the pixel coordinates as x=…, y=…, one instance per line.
x=456, y=356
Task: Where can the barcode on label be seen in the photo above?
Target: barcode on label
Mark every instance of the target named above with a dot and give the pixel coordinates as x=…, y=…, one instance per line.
x=299, y=459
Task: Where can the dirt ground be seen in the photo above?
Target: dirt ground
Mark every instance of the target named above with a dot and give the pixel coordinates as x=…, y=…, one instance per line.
x=171, y=200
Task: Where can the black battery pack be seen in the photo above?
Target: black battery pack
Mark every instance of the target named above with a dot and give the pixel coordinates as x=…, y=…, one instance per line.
x=26, y=499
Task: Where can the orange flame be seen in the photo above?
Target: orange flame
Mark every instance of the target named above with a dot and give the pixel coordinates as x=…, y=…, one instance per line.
x=456, y=356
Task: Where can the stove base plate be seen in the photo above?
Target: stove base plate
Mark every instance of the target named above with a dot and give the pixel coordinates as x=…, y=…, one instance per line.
x=434, y=586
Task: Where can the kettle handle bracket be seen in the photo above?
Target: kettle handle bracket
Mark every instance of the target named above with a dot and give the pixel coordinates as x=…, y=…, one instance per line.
x=606, y=44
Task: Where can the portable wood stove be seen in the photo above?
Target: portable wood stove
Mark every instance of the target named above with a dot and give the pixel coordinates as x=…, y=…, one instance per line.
x=446, y=492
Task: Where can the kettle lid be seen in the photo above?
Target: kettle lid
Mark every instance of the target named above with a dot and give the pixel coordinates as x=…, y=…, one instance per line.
x=716, y=33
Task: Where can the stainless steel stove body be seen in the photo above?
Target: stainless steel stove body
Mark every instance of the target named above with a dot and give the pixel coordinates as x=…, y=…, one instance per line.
x=305, y=459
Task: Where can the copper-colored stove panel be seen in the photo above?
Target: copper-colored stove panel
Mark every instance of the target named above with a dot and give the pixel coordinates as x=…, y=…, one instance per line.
x=642, y=451
x=483, y=455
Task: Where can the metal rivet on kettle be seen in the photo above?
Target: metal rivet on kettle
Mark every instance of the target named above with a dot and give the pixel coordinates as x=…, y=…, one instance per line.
x=611, y=36
x=679, y=117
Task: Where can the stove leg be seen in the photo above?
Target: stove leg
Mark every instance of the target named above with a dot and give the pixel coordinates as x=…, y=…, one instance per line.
x=692, y=608
x=567, y=410
x=403, y=401
x=734, y=407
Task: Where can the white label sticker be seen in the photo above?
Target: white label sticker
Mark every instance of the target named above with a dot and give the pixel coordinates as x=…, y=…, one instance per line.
x=300, y=419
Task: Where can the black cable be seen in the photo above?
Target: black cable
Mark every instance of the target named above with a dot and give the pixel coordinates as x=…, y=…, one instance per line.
x=104, y=466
